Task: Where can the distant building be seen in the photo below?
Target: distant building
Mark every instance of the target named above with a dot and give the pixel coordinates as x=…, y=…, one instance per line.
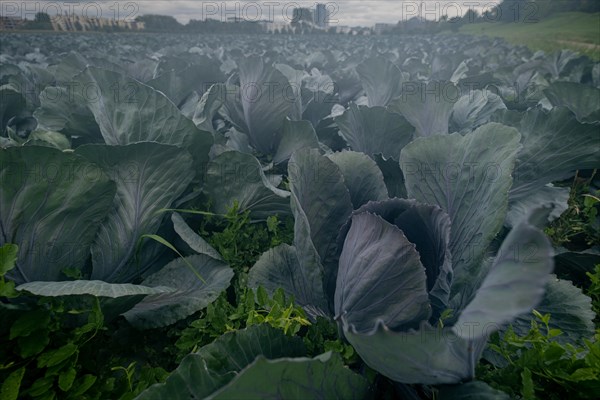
x=343, y=29
x=381, y=28
x=275, y=27
x=10, y=23
x=78, y=23
x=350, y=30
x=321, y=16
x=303, y=15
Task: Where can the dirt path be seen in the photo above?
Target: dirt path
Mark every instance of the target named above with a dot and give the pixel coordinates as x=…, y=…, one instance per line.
x=587, y=46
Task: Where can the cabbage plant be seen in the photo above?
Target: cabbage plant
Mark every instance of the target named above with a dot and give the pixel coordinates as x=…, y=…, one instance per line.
x=393, y=291
x=91, y=211
x=415, y=284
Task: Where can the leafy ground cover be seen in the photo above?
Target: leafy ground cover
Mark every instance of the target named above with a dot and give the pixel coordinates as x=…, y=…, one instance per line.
x=573, y=30
x=297, y=217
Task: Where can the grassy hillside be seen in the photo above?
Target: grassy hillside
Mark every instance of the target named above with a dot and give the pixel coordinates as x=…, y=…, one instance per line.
x=575, y=31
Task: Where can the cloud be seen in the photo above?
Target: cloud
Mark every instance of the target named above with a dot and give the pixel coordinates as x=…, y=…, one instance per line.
x=342, y=12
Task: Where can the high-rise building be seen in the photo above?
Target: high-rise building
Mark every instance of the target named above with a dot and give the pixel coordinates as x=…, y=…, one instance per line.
x=321, y=16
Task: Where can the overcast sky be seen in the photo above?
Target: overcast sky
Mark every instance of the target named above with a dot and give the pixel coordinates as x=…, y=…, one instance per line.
x=343, y=12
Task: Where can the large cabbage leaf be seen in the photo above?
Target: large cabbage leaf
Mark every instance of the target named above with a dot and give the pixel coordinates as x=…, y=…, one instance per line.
x=233, y=176
x=208, y=106
x=362, y=177
x=554, y=198
x=149, y=177
x=178, y=84
x=198, y=280
x=113, y=298
x=381, y=80
x=281, y=267
x=582, y=100
x=296, y=135
x=428, y=229
x=374, y=130
x=427, y=106
x=193, y=240
x=214, y=365
x=381, y=278
x=392, y=175
x=474, y=109
x=570, y=311
x=266, y=101
x=429, y=355
x=514, y=285
x=471, y=391
x=322, y=377
x=293, y=91
x=51, y=205
x=13, y=103
x=94, y=288
x=63, y=110
x=320, y=204
x=555, y=145
x=425, y=353
x=128, y=111
x=468, y=177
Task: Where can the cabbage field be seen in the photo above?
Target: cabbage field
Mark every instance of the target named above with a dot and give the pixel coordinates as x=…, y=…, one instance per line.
x=297, y=217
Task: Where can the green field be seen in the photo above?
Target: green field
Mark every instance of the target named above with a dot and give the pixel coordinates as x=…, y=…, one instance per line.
x=576, y=31
x=358, y=217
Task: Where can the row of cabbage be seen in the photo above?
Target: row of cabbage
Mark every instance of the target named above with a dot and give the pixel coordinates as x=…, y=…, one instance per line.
x=419, y=174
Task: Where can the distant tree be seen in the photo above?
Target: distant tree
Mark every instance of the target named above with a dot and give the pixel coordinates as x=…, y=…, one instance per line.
x=591, y=6
x=520, y=10
x=42, y=17
x=160, y=23
x=40, y=22
x=215, y=26
x=470, y=17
